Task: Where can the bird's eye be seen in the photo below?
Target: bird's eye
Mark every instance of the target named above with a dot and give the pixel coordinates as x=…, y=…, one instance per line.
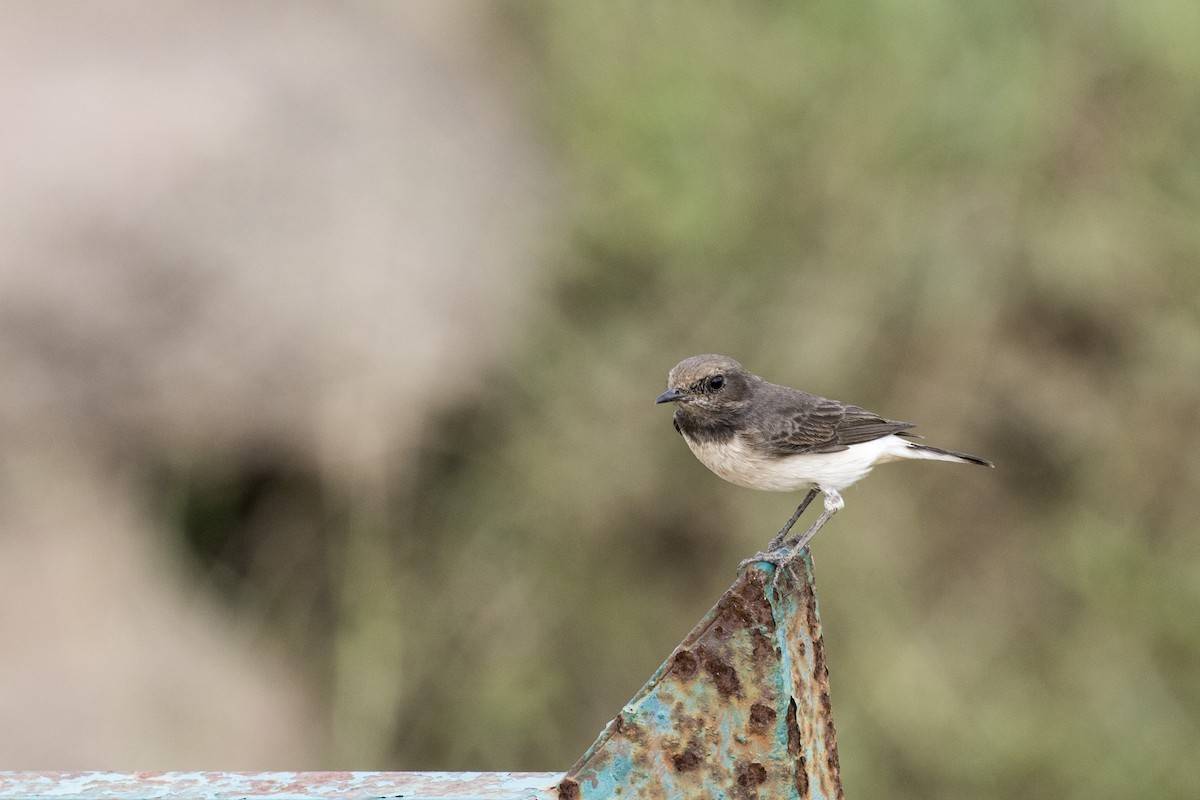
x=716, y=382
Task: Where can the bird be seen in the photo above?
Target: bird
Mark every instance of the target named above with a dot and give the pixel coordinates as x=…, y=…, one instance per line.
x=775, y=438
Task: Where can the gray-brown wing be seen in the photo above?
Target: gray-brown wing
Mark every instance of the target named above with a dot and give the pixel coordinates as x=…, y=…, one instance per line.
x=803, y=423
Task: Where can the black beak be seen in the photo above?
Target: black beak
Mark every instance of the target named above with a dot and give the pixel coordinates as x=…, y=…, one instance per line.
x=669, y=396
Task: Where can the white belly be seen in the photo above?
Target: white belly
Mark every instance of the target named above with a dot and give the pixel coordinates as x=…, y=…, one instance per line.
x=737, y=463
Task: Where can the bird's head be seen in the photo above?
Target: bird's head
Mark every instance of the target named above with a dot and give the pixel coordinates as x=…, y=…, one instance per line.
x=707, y=384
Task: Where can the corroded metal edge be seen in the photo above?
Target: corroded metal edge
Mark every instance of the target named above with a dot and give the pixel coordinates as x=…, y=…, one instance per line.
x=815, y=738
x=740, y=709
x=279, y=785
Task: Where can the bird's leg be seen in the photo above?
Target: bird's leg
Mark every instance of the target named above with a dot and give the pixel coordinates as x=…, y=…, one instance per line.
x=779, y=537
x=775, y=553
x=787, y=555
x=833, y=504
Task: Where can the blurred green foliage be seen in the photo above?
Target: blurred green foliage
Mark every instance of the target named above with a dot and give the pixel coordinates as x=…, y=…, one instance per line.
x=984, y=218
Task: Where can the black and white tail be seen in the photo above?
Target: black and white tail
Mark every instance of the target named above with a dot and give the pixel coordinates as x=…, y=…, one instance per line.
x=938, y=454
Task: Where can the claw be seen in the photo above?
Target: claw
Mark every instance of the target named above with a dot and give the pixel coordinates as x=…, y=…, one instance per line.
x=773, y=558
x=781, y=560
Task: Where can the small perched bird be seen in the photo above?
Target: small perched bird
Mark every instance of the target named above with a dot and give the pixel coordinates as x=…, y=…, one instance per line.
x=777, y=439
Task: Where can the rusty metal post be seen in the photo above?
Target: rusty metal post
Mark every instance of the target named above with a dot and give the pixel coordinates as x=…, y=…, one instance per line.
x=739, y=710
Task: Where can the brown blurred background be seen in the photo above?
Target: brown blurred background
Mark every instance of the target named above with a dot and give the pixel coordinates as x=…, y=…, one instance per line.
x=329, y=336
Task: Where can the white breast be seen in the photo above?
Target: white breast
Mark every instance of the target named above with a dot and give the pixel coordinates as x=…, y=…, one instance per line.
x=737, y=463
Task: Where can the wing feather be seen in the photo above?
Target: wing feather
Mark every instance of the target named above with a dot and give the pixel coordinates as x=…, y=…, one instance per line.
x=796, y=422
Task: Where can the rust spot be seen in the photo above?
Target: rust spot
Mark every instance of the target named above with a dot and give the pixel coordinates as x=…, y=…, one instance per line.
x=742, y=610
x=628, y=727
x=695, y=729
x=760, y=607
x=751, y=774
x=748, y=776
x=831, y=754
x=695, y=725
x=756, y=578
x=820, y=669
x=835, y=770
x=762, y=717
x=748, y=603
x=690, y=758
x=764, y=648
x=568, y=789
x=795, y=741
x=802, y=777
x=810, y=607
x=724, y=676
x=685, y=665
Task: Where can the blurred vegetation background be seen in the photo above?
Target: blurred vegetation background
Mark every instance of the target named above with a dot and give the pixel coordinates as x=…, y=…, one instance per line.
x=332, y=335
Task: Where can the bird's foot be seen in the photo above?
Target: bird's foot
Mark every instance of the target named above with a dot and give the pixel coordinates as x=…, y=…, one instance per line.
x=781, y=560
x=773, y=558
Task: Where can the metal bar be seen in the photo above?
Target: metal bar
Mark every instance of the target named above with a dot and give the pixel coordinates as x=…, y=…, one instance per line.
x=279, y=785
